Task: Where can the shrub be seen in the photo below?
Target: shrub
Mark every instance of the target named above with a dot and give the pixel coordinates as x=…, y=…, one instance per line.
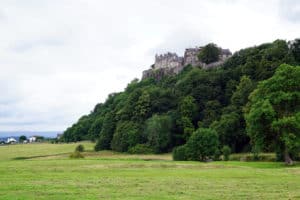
x=179, y=153
x=141, y=149
x=202, y=145
x=226, y=152
x=76, y=154
x=80, y=148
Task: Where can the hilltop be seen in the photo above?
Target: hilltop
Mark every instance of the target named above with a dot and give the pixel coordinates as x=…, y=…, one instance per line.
x=171, y=63
x=158, y=113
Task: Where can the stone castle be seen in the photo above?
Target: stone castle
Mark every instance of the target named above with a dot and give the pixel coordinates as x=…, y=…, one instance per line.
x=171, y=63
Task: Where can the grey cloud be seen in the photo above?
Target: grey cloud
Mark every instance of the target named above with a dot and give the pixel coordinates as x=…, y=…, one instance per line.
x=180, y=39
x=58, y=58
x=23, y=46
x=17, y=123
x=290, y=10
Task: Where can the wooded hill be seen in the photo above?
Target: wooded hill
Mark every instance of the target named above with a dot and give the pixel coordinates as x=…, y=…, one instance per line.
x=156, y=116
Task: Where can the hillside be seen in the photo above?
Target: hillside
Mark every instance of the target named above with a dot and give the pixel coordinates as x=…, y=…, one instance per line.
x=157, y=115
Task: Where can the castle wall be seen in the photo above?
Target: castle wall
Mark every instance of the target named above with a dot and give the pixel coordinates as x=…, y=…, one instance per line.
x=169, y=60
x=191, y=57
x=170, y=63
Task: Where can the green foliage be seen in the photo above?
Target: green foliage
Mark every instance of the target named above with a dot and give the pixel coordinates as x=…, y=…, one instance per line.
x=240, y=96
x=194, y=98
x=94, y=130
x=22, y=138
x=179, y=153
x=78, y=131
x=76, y=155
x=127, y=135
x=211, y=112
x=210, y=53
x=272, y=113
x=142, y=108
x=230, y=131
x=202, y=145
x=106, y=133
x=158, y=131
x=141, y=149
x=295, y=49
x=188, y=107
x=79, y=148
x=226, y=151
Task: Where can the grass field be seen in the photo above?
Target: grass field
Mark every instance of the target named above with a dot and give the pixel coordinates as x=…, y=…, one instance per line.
x=44, y=171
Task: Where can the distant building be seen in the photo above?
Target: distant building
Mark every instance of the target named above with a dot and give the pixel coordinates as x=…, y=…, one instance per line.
x=11, y=140
x=171, y=63
x=32, y=139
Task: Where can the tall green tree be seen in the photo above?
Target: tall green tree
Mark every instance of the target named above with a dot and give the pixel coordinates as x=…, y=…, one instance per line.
x=295, y=49
x=22, y=138
x=127, y=135
x=158, y=131
x=188, y=107
x=210, y=53
x=272, y=114
x=142, y=108
x=244, y=88
x=187, y=110
x=95, y=128
x=106, y=134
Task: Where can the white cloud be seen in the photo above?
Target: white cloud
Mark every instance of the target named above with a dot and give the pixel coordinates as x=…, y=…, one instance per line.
x=58, y=58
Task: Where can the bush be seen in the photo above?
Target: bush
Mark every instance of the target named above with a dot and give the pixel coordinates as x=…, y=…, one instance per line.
x=202, y=145
x=179, y=153
x=80, y=148
x=76, y=154
x=226, y=152
x=141, y=149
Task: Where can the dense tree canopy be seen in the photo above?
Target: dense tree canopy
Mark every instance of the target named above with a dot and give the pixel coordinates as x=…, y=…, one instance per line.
x=210, y=53
x=158, y=130
x=273, y=115
x=162, y=114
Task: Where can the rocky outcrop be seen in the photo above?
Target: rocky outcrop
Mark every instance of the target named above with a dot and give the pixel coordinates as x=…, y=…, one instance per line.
x=158, y=74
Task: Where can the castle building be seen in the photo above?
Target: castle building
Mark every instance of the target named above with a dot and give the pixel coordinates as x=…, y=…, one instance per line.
x=171, y=63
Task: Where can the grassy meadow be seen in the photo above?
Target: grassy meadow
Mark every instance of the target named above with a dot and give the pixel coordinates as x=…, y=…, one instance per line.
x=45, y=171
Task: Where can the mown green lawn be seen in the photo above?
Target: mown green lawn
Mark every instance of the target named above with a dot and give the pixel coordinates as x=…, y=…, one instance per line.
x=44, y=171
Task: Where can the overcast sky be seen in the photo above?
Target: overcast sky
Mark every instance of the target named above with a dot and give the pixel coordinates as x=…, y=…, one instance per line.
x=58, y=58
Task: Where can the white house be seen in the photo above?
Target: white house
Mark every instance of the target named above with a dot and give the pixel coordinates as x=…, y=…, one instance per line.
x=11, y=140
x=32, y=139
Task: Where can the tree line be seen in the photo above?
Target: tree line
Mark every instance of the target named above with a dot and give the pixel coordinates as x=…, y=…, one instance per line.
x=212, y=105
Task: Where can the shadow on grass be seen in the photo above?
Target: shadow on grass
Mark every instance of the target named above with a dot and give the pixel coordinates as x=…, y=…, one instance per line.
x=40, y=156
